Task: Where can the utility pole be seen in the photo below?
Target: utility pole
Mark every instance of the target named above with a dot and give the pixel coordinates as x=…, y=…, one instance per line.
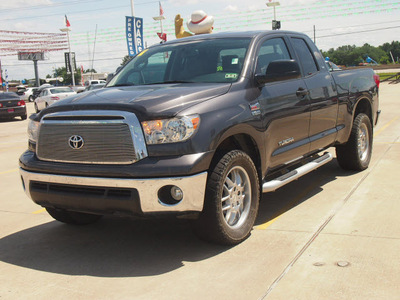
x=315, y=41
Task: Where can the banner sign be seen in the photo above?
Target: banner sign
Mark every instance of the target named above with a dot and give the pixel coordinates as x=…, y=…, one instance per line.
x=134, y=35
x=68, y=62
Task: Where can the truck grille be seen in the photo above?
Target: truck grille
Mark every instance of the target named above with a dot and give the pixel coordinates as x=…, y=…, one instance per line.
x=96, y=137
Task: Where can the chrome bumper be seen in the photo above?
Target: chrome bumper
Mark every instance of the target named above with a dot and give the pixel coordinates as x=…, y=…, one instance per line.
x=193, y=188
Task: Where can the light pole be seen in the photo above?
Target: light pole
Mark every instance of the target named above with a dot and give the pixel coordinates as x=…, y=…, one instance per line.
x=67, y=30
x=160, y=18
x=132, y=8
x=275, y=24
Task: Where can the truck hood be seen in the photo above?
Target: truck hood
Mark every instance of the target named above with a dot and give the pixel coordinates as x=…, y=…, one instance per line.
x=160, y=100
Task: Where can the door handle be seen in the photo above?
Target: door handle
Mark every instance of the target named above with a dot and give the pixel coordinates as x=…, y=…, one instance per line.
x=301, y=92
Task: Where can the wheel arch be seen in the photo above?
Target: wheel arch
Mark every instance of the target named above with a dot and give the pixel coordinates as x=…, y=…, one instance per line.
x=239, y=141
x=363, y=106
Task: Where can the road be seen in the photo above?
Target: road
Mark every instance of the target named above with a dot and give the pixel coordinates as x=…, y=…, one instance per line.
x=329, y=235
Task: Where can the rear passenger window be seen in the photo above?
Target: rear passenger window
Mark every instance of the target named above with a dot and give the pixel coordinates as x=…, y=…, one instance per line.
x=271, y=50
x=305, y=56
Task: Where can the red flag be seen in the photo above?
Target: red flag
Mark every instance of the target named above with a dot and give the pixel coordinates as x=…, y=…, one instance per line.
x=161, y=9
x=67, y=24
x=162, y=36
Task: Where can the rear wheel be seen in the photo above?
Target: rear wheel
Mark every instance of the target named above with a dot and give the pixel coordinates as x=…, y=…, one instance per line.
x=24, y=117
x=232, y=198
x=356, y=153
x=72, y=217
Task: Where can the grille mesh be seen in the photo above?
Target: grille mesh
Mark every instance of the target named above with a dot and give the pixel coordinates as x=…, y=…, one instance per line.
x=103, y=143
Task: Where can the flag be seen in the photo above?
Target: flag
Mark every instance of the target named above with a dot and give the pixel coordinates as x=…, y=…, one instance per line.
x=67, y=24
x=162, y=36
x=161, y=9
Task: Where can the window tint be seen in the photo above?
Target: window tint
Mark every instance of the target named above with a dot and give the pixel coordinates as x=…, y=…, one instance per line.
x=305, y=56
x=271, y=50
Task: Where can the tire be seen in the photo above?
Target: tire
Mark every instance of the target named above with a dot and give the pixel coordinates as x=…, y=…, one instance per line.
x=24, y=117
x=231, y=202
x=30, y=99
x=36, y=108
x=356, y=153
x=72, y=217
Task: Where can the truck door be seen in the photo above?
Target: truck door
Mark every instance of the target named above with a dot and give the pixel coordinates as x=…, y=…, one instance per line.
x=284, y=108
x=322, y=93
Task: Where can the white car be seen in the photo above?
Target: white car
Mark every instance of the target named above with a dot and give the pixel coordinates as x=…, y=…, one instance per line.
x=28, y=94
x=50, y=95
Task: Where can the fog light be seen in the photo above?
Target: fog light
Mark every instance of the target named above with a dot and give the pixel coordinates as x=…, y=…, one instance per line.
x=170, y=195
x=176, y=193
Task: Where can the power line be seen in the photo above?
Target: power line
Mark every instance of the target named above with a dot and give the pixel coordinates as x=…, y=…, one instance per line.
x=361, y=31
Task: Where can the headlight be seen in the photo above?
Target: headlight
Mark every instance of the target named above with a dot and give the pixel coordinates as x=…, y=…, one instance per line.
x=170, y=130
x=33, y=129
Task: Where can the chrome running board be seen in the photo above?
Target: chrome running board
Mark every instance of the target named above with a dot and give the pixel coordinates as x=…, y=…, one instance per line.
x=275, y=184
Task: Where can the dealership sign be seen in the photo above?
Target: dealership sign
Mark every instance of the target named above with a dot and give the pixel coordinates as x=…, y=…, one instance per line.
x=134, y=35
x=30, y=55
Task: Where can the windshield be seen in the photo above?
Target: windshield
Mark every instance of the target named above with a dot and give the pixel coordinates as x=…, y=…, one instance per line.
x=211, y=61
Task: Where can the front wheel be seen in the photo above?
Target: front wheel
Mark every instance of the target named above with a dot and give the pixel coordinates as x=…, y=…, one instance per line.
x=36, y=108
x=356, y=153
x=232, y=198
x=72, y=217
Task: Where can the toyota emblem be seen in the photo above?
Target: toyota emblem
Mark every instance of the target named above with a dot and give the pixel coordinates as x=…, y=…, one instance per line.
x=76, y=142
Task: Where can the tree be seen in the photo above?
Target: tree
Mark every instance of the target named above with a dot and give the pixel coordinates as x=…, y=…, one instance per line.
x=392, y=49
x=352, y=55
x=62, y=72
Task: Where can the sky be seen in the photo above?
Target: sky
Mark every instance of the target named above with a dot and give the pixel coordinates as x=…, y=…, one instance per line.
x=98, y=26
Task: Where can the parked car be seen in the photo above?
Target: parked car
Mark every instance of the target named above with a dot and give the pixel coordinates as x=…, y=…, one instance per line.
x=90, y=82
x=20, y=90
x=12, y=106
x=94, y=87
x=28, y=94
x=41, y=88
x=50, y=95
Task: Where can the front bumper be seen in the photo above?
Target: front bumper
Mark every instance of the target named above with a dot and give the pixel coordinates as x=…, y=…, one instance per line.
x=113, y=195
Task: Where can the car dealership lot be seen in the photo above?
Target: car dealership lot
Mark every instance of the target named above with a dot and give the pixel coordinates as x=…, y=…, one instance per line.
x=329, y=235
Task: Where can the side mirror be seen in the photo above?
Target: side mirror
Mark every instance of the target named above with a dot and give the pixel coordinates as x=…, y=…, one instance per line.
x=280, y=70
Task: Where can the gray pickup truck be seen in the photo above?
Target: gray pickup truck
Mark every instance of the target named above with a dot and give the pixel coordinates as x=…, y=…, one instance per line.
x=199, y=127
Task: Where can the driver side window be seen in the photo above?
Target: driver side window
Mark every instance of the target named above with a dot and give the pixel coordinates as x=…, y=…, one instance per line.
x=271, y=50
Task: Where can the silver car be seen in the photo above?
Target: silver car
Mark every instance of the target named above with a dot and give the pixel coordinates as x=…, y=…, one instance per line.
x=50, y=95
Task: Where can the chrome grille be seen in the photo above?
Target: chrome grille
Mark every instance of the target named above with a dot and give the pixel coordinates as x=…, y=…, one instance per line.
x=109, y=137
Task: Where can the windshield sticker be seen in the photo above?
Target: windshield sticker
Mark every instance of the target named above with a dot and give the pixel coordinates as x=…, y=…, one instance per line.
x=235, y=61
x=231, y=76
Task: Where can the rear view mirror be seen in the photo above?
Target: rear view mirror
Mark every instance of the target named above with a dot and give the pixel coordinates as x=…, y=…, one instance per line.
x=280, y=70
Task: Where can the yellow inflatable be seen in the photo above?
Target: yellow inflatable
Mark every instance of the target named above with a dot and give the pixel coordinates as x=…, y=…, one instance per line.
x=199, y=23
